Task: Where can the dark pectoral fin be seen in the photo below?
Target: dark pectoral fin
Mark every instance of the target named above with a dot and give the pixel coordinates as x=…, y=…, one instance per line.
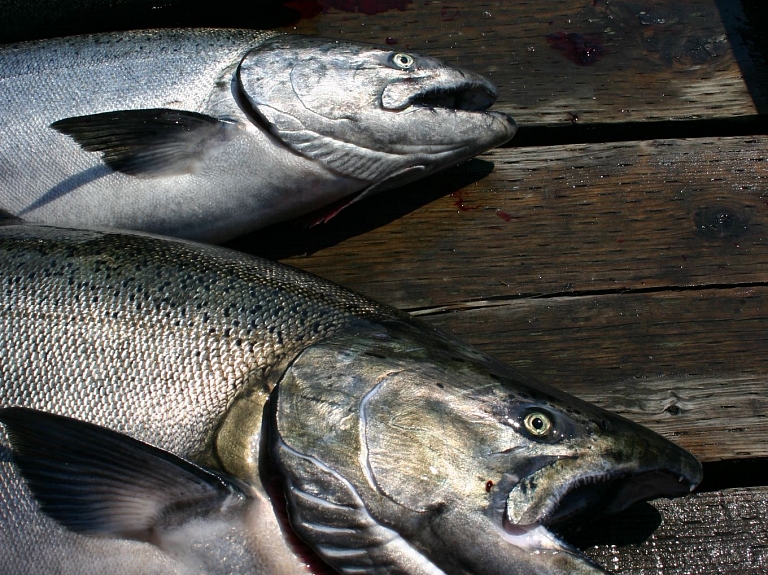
x=148, y=143
x=98, y=482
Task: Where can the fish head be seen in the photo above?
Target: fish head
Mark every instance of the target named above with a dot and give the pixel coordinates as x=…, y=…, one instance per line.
x=384, y=117
x=470, y=464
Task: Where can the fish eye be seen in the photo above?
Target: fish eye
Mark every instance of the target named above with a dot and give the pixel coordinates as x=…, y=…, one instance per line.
x=538, y=423
x=403, y=61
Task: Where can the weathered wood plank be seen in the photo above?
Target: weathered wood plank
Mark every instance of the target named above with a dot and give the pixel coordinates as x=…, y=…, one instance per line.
x=691, y=365
x=555, y=61
x=551, y=220
x=597, y=60
x=607, y=338
x=722, y=532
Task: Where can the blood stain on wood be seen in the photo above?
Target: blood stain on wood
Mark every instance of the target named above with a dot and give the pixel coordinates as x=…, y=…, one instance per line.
x=448, y=13
x=460, y=203
x=580, y=49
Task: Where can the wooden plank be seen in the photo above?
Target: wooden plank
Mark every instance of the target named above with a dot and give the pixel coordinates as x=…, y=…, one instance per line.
x=598, y=61
x=550, y=220
x=691, y=365
x=722, y=532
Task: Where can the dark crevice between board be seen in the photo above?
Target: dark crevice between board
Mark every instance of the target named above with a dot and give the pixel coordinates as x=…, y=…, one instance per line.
x=575, y=133
x=734, y=473
x=507, y=299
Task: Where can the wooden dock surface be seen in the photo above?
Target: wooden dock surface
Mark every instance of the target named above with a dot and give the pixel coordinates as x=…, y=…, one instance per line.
x=617, y=248
x=630, y=270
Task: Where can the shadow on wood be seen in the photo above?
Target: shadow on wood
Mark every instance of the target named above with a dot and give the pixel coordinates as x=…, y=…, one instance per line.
x=612, y=529
x=745, y=27
x=297, y=238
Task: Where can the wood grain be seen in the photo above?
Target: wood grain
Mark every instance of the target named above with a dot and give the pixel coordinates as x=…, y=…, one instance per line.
x=723, y=532
x=551, y=220
x=618, y=60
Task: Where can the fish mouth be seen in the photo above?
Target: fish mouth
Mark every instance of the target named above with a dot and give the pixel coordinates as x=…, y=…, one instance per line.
x=603, y=493
x=466, y=96
x=471, y=98
x=531, y=523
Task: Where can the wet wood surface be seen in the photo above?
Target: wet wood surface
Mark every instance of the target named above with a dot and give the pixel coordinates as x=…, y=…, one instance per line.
x=723, y=532
x=591, y=60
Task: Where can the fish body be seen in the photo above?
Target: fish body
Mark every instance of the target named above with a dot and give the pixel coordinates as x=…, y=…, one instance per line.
x=390, y=447
x=209, y=134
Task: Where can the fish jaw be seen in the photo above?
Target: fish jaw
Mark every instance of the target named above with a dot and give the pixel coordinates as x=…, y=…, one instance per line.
x=359, y=111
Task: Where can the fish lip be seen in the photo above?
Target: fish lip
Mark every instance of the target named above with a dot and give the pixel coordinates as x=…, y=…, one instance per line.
x=470, y=98
x=462, y=96
x=537, y=539
x=608, y=492
x=602, y=492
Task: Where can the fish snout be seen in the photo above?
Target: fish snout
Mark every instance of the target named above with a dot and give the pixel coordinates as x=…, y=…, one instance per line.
x=651, y=466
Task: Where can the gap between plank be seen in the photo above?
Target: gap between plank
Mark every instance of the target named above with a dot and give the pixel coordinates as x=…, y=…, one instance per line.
x=500, y=301
x=734, y=473
x=598, y=133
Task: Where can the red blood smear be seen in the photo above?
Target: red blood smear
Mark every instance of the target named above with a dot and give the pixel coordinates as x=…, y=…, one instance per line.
x=390, y=41
x=369, y=7
x=327, y=213
x=459, y=203
x=580, y=49
x=504, y=216
x=448, y=13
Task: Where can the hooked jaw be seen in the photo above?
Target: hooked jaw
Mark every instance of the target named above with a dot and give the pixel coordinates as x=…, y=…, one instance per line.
x=565, y=489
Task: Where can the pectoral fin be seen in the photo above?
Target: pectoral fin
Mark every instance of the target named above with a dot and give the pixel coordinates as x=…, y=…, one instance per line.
x=98, y=482
x=148, y=143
